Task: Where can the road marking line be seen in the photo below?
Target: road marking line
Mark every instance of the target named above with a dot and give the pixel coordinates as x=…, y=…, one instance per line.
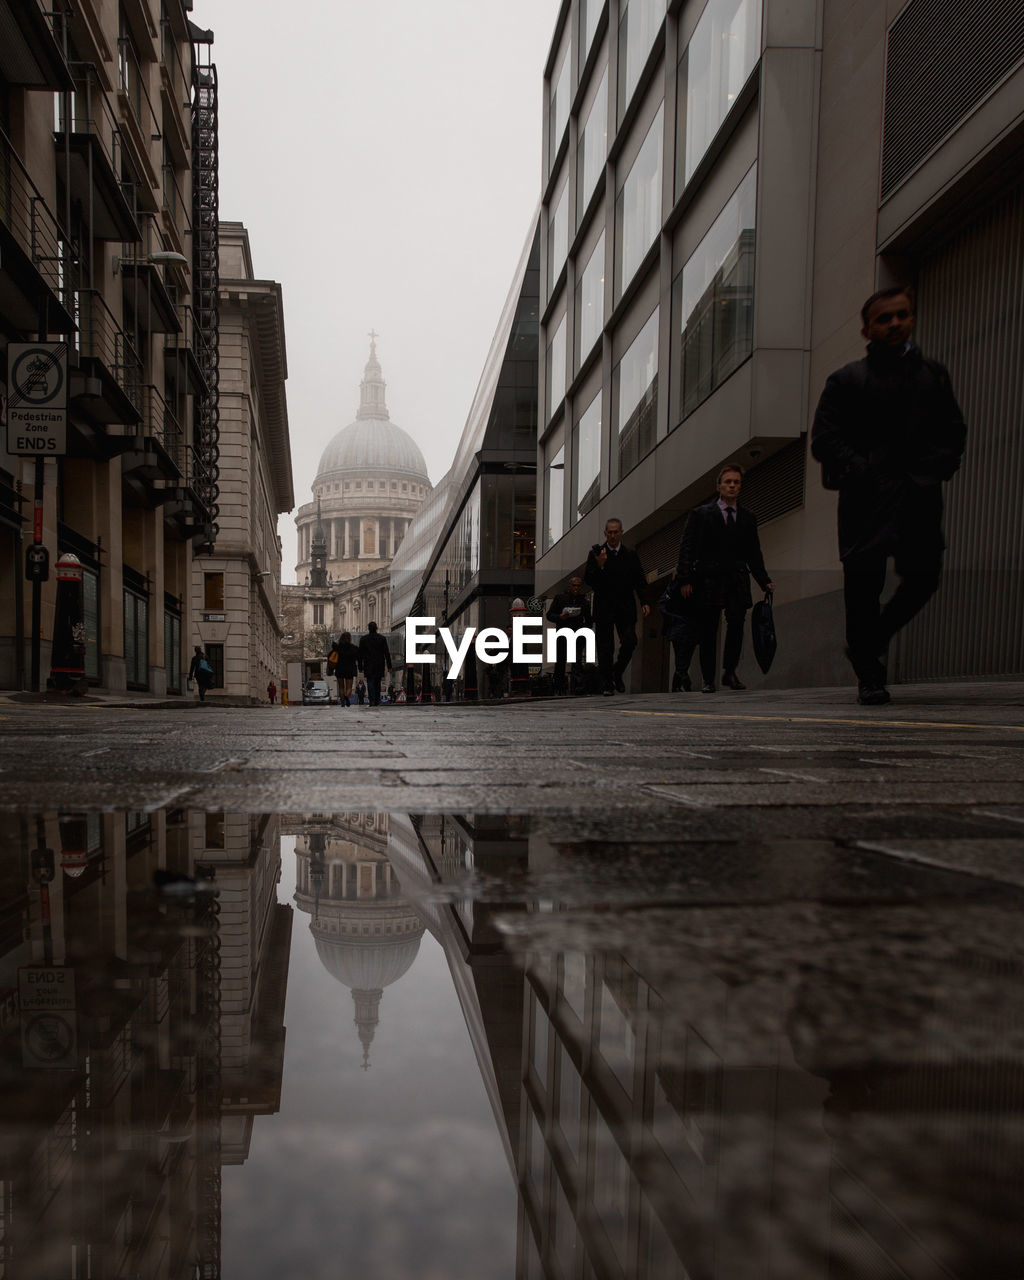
x=892, y=724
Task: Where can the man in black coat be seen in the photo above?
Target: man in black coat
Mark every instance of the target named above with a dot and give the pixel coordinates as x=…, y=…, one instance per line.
x=719, y=551
x=887, y=432
x=374, y=659
x=569, y=611
x=615, y=575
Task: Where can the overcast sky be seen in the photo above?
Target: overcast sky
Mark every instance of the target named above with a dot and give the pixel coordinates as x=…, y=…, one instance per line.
x=385, y=158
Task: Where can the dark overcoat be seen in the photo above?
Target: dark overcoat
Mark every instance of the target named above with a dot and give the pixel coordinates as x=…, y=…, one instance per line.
x=887, y=432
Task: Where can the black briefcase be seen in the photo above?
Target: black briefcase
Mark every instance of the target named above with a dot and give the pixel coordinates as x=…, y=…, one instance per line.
x=762, y=632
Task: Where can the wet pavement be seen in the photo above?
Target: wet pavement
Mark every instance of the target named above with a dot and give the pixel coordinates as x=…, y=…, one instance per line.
x=637, y=987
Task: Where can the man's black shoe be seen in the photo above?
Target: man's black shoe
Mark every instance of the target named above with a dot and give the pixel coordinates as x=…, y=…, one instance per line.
x=708, y=688
x=732, y=681
x=873, y=695
x=681, y=683
x=608, y=690
x=620, y=687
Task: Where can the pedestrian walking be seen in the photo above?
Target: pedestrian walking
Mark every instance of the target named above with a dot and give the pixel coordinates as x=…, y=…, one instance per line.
x=615, y=575
x=201, y=672
x=374, y=660
x=680, y=625
x=719, y=551
x=887, y=432
x=272, y=692
x=569, y=611
x=345, y=666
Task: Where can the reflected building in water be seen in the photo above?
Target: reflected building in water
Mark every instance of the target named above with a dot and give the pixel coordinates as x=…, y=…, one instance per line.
x=142, y=975
x=366, y=932
x=717, y=1093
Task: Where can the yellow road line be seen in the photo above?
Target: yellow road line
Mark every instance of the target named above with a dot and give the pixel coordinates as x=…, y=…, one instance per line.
x=894, y=724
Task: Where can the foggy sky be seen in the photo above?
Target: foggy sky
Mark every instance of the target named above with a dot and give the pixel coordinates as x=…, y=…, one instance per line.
x=386, y=160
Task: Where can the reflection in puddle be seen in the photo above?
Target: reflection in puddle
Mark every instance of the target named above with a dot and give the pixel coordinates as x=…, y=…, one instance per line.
x=509, y=1053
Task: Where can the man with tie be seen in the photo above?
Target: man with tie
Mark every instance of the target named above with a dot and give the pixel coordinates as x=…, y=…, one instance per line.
x=719, y=551
x=615, y=575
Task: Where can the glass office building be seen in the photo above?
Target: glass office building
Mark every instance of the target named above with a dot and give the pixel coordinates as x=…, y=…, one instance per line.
x=724, y=183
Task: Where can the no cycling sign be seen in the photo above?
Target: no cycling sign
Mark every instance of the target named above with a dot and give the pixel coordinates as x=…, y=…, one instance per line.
x=37, y=399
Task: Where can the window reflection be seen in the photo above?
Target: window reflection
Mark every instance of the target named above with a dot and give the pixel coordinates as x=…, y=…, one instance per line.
x=638, y=26
x=586, y=448
x=592, y=149
x=590, y=13
x=554, y=484
x=721, y=54
x=558, y=116
x=590, y=303
x=556, y=368
x=635, y=398
x=638, y=208
x=713, y=297
x=558, y=236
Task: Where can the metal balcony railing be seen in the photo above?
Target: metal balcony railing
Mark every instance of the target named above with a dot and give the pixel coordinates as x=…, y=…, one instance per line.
x=102, y=338
x=160, y=422
x=24, y=211
x=174, y=202
x=88, y=111
x=133, y=86
x=177, y=76
x=191, y=338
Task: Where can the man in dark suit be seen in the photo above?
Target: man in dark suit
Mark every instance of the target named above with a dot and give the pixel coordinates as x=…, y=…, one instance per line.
x=719, y=551
x=374, y=659
x=615, y=576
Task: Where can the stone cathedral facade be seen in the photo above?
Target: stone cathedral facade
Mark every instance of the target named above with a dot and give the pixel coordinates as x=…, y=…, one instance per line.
x=371, y=481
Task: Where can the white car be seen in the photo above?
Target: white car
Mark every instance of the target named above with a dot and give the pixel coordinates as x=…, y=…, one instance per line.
x=316, y=694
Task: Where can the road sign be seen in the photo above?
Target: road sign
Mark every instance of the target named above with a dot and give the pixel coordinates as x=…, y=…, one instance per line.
x=49, y=1021
x=37, y=399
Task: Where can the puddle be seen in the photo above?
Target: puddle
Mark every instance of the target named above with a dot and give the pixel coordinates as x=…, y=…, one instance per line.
x=392, y=1045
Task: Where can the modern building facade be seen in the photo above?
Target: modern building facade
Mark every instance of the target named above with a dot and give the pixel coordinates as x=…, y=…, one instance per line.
x=108, y=244
x=236, y=585
x=724, y=184
x=482, y=556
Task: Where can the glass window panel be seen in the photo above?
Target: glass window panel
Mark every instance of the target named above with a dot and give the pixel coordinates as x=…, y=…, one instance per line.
x=635, y=398
x=554, y=485
x=617, y=1040
x=558, y=116
x=590, y=303
x=558, y=235
x=590, y=12
x=638, y=208
x=592, y=150
x=714, y=300
x=556, y=368
x=637, y=29
x=570, y=1099
x=722, y=52
x=91, y=598
x=586, y=448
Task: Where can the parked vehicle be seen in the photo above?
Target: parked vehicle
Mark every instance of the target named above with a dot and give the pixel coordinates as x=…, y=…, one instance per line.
x=315, y=693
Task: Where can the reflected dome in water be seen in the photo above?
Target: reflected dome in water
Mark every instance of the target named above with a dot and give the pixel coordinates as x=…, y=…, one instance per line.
x=367, y=934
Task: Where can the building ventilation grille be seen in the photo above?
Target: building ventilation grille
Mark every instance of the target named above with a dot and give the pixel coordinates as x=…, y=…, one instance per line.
x=776, y=485
x=943, y=58
x=770, y=490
